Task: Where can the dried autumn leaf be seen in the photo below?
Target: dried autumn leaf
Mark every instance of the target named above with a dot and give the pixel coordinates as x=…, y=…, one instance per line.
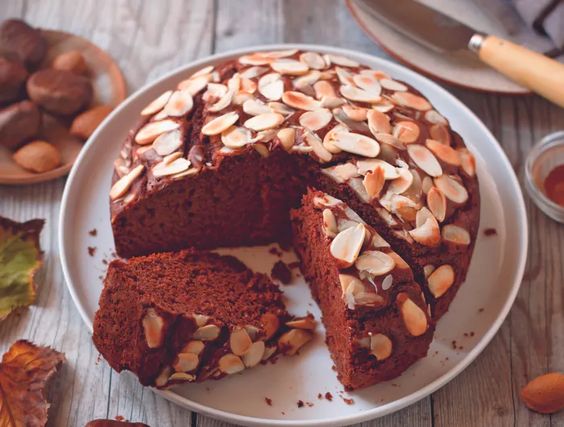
x=24, y=372
x=20, y=258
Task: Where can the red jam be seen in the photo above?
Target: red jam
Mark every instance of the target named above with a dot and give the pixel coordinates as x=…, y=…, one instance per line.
x=554, y=185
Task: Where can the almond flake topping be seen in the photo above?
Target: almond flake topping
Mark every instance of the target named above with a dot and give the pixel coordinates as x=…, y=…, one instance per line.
x=300, y=101
x=357, y=114
x=452, y=189
x=236, y=137
x=271, y=86
x=314, y=142
x=410, y=100
x=455, y=234
x=380, y=346
x=264, y=121
x=168, y=143
x=186, y=362
x=378, y=122
x=341, y=173
x=440, y=280
x=194, y=346
x=387, y=282
x=324, y=89
x=307, y=80
x=287, y=137
x=224, y=102
x=153, y=325
x=313, y=60
x=356, y=144
x=437, y=203
x=156, y=105
x=346, y=246
x=290, y=66
x=428, y=233
x=402, y=183
x=368, y=83
x=219, y=124
x=202, y=71
x=406, y=131
x=359, y=95
x=252, y=72
x=151, y=130
x=207, y=333
x=413, y=316
x=444, y=152
x=254, y=355
x=393, y=85
x=374, y=182
x=330, y=228
x=467, y=162
x=315, y=120
x=290, y=342
x=166, y=168
x=423, y=158
x=240, y=341
x=179, y=104
x=341, y=60
x=369, y=165
x=195, y=85
x=230, y=364
x=432, y=116
x=375, y=263
x=440, y=133
x=122, y=185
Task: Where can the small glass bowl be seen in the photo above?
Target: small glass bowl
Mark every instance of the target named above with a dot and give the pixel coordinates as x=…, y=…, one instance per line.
x=542, y=159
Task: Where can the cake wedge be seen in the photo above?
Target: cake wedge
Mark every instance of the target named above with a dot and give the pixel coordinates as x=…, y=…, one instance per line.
x=190, y=316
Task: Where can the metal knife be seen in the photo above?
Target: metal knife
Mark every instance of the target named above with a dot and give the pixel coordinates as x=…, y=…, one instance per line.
x=431, y=28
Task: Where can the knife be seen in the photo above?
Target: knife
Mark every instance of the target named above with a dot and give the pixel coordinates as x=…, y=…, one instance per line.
x=433, y=29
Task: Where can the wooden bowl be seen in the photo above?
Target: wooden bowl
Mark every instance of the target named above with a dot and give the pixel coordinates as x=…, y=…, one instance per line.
x=109, y=88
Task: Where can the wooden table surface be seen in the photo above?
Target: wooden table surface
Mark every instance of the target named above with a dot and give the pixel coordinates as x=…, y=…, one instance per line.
x=150, y=38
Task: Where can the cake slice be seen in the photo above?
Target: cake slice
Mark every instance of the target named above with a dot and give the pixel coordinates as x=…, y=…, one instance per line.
x=189, y=316
x=375, y=314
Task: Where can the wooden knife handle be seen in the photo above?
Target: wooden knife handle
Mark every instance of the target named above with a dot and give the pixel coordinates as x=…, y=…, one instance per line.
x=533, y=70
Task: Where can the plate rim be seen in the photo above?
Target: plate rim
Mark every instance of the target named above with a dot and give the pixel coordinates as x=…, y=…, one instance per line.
x=346, y=419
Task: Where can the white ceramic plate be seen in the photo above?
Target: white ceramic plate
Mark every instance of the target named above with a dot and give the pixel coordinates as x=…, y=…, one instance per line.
x=474, y=317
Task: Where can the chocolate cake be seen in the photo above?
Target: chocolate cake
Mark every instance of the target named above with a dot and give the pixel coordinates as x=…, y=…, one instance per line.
x=221, y=159
x=189, y=316
x=374, y=312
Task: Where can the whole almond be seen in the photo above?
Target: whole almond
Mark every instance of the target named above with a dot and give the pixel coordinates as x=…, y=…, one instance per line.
x=545, y=394
x=38, y=156
x=86, y=123
x=70, y=61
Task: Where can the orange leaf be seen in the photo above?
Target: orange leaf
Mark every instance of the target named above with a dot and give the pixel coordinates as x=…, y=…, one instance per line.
x=24, y=372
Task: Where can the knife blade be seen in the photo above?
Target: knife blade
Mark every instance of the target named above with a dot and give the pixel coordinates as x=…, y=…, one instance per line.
x=438, y=31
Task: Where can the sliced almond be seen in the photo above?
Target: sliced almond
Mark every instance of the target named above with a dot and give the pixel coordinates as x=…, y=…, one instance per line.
x=186, y=362
x=268, y=352
x=313, y=60
x=452, y=189
x=346, y=246
x=194, y=346
x=122, y=185
x=367, y=82
x=254, y=355
x=207, y=333
x=330, y=228
x=290, y=342
x=376, y=263
x=254, y=107
x=153, y=327
x=252, y=72
x=428, y=233
x=369, y=165
x=264, y=121
x=315, y=120
x=378, y=122
x=402, y=183
x=423, y=158
x=307, y=323
x=281, y=108
x=230, y=364
x=324, y=89
x=248, y=86
x=290, y=66
x=223, y=102
x=428, y=269
x=444, y=152
x=195, y=85
x=341, y=173
x=356, y=144
x=171, y=167
x=393, y=85
x=151, y=130
x=440, y=133
x=388, y=139
x=314, y=142
x=359, y=95
x=179, y=104
x=300, y=101
x=307, y=80
x=357, y=114
x=467, y=161
x=287, y=137
x=357, y=186
x=168, y=143
x=181, y=376
x=351, y=125
x=271, y=86
x=380, y=346
x=261, y=149
x=440, y=280
x=156, y=105
x=240, y=341
x=413, y=316
x=432, y=116
x=411, y=100
x=255, y=59
x=383, y=106
x=426, y=184
x=406, y=131
x=436, y=202
x=400, y=262
x=236, y=137
x=200, y=319
x=220, y=124
x=374, y=182
x=214, y=92
x=163, y=376
x=330, y=136
x=340, y=60
x=203, y=71
x=270, y=323
x=455, y=234
x=387, y=282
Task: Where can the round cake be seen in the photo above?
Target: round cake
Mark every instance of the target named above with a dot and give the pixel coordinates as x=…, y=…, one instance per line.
x=221, y=159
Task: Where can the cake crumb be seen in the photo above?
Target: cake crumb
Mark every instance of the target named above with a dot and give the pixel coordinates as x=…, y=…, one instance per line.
x=329, y=396
x=300, y=403
x=119, y=418
x=471, y=333
x=490, y=232
x=480, y=310
x=91, y=250
x=309, y=404
x=105, y=261
x=268, y=401
x=281, y=272
x=319, y=396
x=453, y=344
x=93, y=232
x=347, y=400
